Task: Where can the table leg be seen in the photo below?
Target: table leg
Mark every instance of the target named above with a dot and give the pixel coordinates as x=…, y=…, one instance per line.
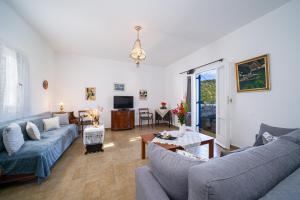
x=143, y=149
x=211, y=149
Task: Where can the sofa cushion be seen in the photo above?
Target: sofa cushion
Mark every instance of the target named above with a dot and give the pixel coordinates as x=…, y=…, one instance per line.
x=51, y=123
x=289, y=188
x=147, y=187
x=13, y=138
x=63, y=118
x=33, y=131
x=293, y=136
x=275, y=131
x=245, y=175
x=171, y=170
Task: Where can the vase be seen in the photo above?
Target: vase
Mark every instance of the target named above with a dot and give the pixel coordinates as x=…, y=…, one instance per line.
x=182, y=129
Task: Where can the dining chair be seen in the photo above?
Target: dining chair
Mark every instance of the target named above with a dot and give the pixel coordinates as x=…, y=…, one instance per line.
x=144, y=114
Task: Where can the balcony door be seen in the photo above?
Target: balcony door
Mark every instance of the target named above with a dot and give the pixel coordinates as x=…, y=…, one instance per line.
x=212, y=102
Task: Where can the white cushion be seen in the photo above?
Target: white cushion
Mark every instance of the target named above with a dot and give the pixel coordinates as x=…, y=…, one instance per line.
x=13, y=138
x=63, y=118
x=33, y=131
x=51, y=123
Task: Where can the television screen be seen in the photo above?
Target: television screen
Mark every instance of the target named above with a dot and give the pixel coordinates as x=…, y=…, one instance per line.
x=123, y=102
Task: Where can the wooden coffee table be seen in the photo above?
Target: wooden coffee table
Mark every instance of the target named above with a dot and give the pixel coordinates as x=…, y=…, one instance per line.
x=145, y=139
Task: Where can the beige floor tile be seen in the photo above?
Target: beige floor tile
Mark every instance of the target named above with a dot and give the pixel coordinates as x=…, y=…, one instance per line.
x=103, y=175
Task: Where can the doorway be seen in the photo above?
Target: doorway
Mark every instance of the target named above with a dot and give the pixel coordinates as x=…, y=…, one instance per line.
x=212, y=102
x=206, y=102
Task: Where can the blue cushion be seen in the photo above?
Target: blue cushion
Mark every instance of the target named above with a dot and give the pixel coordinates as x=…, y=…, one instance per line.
x=293, y=136
x=289, y=188
x=147, y=186
x=171, y=170
x=13, y=138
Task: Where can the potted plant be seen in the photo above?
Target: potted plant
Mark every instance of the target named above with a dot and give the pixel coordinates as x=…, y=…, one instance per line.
x=181, y=112
x=163, y=105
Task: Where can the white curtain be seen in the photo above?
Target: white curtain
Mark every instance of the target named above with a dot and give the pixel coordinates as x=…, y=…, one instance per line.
x=13, y=84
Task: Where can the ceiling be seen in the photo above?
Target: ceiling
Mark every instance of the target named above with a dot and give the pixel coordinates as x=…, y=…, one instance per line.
x=172, y=29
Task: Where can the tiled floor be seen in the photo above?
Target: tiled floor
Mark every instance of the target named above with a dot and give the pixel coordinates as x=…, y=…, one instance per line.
x=107, y=175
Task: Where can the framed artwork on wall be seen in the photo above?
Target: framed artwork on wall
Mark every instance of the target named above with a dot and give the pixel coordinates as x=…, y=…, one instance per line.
x=90, y=93
x=253, y=74
x=143, y=94
x=119, y=87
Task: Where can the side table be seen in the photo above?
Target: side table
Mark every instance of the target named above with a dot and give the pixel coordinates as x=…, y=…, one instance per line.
x=93, y=137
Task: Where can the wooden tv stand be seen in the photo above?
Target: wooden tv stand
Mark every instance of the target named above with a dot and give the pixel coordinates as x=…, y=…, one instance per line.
x=122, y=119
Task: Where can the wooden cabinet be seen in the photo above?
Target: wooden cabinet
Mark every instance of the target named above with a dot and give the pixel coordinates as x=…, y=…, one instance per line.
x=122, y=119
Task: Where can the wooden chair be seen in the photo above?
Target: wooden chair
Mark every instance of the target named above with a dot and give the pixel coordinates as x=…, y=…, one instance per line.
x=144, y=114
x=83, y=120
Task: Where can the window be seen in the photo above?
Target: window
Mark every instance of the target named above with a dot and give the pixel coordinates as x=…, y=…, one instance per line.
x=13, y=83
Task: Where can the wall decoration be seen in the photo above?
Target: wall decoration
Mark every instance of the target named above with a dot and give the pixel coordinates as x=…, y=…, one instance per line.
x=90, y=93
x=143, y=94
x=45, y=84
x=253, y=74
x=119, y=87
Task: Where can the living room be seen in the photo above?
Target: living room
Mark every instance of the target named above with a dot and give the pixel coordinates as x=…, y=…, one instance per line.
x=136, y=70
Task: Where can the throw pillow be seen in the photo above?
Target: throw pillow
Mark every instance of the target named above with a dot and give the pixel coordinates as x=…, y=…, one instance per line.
x=13, y=138
x=267, y=137
x=33, y=131
x=63, y=118
x=292, y=136
x=276, y=131
x=171, y=170
x=51, y=123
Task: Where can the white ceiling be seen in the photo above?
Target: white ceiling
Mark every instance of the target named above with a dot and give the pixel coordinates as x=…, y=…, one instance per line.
x=172, y=29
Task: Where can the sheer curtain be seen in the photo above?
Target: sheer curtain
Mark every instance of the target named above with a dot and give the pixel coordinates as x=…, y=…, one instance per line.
x=13, y=84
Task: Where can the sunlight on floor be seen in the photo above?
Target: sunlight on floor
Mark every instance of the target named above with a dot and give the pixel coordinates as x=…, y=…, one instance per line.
x=111, y=144
x=135, y=139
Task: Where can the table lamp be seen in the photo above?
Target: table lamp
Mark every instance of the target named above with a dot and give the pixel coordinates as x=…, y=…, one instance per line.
x=61, y=107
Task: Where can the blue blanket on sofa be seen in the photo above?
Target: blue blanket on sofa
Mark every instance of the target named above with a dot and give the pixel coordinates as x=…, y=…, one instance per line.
x=38, y=156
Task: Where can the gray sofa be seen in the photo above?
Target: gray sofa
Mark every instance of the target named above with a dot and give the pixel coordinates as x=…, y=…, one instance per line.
x=270, y=171
x=36, y=157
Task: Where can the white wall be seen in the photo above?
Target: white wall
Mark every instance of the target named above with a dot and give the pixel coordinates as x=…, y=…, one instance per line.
x=277, y=34
x=74, y=73
x=16, y=33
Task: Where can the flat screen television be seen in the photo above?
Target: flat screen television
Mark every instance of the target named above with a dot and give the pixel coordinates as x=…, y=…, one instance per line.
x=123, y=102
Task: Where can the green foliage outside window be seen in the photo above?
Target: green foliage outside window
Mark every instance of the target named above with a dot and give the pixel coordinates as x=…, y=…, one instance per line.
x=208, y=91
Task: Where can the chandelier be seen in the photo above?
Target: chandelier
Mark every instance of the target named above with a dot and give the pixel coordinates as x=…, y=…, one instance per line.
x=137, y=53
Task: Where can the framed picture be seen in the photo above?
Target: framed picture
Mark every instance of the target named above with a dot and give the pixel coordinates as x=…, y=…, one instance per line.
x=90, y=93
x=119, y=87
x=253, y=74
x=143, y=94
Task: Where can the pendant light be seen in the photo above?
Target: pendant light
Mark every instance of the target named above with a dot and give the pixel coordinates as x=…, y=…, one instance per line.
x=137, y=53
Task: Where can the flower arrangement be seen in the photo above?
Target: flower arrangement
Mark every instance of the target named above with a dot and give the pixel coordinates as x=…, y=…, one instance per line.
x=94, y=115
x=163, y=105
x=181, y=111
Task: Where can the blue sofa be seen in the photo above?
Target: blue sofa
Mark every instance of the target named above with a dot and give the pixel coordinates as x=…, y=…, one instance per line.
x=36, y=156
x=266, y=172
